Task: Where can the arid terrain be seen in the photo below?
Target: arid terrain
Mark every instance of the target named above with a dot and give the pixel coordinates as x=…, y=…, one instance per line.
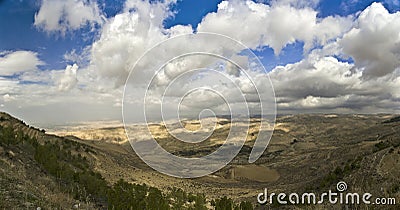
x=307, y=153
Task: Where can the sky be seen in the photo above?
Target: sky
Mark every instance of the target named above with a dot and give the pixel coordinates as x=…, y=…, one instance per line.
x=67, y=61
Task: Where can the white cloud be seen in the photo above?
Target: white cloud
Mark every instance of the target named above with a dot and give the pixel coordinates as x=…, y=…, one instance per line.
x=257, y=24
x=327, y=85
x=64, y=15
x=127, y=36
x=375, y=42
x=7, y=86
x=40, y=97
x=19, y=61
x=80, y=58
x=297, y=3
x=69, y=79
x=318, y=83
x=7, y=97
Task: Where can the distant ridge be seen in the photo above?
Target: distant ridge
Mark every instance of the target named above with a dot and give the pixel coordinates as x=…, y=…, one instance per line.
x=392, y=120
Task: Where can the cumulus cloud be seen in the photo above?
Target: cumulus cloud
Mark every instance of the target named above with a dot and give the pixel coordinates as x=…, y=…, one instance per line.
x=325, y=77
x=257, y=24
x=327, y=85
x=45, y=98
x=374, y=43
x=318, y=83
x=19, y=61
x=125, y=37
x=7, y=97
x=64, y=15
x=69, y=79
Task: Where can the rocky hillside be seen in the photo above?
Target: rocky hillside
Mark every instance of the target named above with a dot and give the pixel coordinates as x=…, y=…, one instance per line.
x=41, y=171
x=27, y=179
x=307, y=153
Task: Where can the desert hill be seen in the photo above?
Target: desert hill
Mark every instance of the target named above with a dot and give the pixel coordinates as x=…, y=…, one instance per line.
x=307, y=153
x=38, y=170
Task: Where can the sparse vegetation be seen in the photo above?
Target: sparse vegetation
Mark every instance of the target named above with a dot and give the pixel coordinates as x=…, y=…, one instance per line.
x=381, y=145
x=392, y=120
x=226, y=203
x=63, y=172
x=64, y=162
x=339, y=173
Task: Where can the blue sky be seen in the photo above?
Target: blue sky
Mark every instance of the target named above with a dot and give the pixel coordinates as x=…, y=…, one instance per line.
x=17, y=17
x=72, y=57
